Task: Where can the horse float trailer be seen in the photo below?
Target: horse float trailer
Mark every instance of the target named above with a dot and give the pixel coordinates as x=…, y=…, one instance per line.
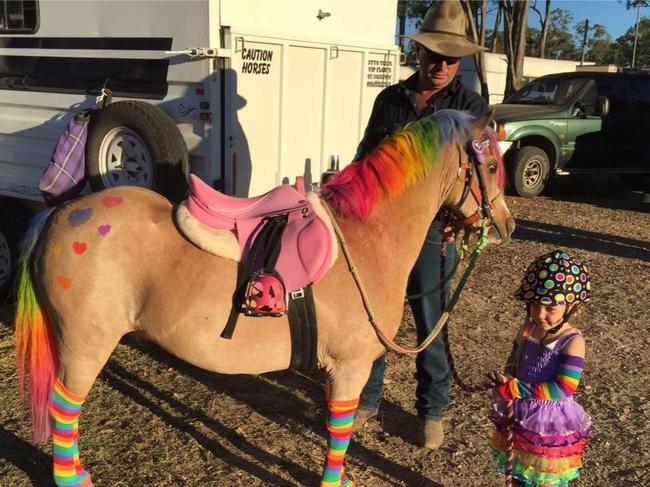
x=243, y=93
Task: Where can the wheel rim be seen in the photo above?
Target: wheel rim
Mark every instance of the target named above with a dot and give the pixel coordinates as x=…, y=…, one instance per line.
x=5, y=261
x=533, y=173
x=125, y=160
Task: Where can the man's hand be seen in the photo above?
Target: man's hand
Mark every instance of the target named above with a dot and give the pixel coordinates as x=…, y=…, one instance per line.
x=448, y=233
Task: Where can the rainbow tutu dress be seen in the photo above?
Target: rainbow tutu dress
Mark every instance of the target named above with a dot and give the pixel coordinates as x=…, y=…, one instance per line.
x=549, y=436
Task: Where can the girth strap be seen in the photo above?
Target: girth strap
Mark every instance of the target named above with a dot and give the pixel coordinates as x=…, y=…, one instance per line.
x=302, y=326
x=267, y=246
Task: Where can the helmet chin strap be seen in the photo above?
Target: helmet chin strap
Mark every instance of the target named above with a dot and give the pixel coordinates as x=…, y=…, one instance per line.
x=567, y=315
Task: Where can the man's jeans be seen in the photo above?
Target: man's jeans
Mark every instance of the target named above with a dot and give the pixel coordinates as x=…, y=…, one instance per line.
x=432, y=393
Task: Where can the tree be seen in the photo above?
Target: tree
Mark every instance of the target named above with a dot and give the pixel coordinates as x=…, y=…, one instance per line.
x=560, y=43
x=515, y=22
x=411, y=10
x=638, y=4
x=624, y=46
x=476, y=14
x=532, y=41
x=598, y=42
x=495, y=35
x=545, y=24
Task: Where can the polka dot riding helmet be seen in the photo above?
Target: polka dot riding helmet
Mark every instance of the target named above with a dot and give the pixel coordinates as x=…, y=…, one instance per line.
x=555, y=279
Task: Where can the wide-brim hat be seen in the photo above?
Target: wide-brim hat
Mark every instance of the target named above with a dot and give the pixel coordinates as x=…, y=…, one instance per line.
x=444, y=31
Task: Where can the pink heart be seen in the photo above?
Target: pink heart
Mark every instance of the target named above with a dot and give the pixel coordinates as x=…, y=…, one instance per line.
x=79, y=247
x=111, y=201
x=103, y=229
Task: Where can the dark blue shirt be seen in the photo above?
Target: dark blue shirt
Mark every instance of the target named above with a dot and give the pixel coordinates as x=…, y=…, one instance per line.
x=393, y=109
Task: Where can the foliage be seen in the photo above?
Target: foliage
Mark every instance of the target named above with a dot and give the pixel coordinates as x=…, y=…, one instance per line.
x=561, y=43
x=622, y=48
x=598, y=43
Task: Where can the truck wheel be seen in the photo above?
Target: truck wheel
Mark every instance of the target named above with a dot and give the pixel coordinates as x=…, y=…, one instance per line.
x=529, y=170
x=135, y=143
x=14, y=219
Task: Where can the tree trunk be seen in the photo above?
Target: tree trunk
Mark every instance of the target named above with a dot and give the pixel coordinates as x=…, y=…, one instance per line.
x=514, y=38
x=479, y=38
x=495, y=31
x=545, y=26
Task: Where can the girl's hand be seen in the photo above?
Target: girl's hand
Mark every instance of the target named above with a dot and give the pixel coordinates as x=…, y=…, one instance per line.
x=495, y=379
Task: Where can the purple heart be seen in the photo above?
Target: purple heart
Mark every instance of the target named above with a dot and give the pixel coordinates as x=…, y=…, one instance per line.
x=79, y=216
x=103, y=229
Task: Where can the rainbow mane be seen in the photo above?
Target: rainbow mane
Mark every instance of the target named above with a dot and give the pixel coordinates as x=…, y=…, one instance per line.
x=397, y=163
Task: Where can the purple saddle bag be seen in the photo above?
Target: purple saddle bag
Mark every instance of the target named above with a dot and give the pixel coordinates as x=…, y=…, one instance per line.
x=65, y=176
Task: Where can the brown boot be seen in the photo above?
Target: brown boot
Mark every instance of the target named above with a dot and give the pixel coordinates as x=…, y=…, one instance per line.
x=362, y=417
x=431, y=433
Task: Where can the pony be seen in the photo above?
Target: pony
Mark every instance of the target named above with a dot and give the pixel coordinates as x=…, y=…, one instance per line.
x=113, y=263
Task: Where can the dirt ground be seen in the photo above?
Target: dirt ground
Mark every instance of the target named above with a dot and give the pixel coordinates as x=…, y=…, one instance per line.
x=153, y=421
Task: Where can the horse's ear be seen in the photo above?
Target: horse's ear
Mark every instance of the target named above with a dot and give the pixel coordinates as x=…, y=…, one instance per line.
x=482, y=123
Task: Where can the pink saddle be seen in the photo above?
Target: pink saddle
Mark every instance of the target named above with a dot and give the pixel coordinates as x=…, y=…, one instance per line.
x=307, y=243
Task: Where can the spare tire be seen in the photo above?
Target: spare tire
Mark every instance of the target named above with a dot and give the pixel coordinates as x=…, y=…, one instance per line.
x=135, y=143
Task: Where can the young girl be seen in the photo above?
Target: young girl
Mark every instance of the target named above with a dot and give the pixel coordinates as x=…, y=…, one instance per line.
x=550, y=429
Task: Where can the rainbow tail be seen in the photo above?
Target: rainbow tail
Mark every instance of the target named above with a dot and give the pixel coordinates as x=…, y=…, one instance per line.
x=36, y=352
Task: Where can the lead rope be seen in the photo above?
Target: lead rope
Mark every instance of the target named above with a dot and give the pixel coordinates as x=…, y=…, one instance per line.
x=508, y=436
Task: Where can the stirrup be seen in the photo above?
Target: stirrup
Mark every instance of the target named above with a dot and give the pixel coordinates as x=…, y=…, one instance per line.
x=266, y=295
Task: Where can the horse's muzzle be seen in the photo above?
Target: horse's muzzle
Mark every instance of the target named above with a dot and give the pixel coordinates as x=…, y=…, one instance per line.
x=500, y=234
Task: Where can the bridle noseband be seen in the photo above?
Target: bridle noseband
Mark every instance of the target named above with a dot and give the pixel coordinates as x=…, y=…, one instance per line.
x=476, y=158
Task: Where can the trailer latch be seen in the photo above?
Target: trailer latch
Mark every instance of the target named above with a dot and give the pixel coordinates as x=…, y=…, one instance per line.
x=204, y=52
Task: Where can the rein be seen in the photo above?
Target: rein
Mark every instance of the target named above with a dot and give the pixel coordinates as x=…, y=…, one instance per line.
x=366, y=301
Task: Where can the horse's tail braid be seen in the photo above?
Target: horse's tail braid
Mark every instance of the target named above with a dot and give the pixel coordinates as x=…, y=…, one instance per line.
x=36, y=353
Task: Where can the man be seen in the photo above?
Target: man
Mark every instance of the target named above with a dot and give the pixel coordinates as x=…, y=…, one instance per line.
x=439, y=45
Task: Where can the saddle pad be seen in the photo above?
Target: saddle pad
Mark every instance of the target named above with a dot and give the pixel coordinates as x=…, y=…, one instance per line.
x=308, y=252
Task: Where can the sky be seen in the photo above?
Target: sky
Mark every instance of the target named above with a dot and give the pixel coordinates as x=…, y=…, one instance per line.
x=610, y=13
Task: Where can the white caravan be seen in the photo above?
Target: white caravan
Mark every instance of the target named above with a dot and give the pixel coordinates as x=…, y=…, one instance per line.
x=259, y=90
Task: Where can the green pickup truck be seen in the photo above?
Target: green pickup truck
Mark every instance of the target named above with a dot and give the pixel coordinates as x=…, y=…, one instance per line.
x=580, y=123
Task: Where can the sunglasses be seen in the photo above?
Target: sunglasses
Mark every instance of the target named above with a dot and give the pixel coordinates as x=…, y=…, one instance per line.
x=434, y=57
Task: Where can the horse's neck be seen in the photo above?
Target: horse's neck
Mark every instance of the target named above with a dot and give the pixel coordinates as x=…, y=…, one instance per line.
x=391, y=238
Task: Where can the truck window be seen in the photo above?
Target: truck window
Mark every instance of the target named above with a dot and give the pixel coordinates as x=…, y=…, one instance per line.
x=18, y=16
x=615, y=89
x=547, y=91
x=641, y=90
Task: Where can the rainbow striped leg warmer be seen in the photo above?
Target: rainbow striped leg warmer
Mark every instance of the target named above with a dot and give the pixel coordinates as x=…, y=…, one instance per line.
x=339, y=426
x=65, y=409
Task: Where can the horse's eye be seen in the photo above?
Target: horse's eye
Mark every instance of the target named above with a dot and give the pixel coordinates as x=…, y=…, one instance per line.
x=492, y=168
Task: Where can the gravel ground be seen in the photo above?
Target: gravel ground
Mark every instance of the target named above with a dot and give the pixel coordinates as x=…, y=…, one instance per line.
x=153, y=421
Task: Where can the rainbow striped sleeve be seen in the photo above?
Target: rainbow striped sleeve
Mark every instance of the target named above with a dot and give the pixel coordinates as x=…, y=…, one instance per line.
x=565, y=383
